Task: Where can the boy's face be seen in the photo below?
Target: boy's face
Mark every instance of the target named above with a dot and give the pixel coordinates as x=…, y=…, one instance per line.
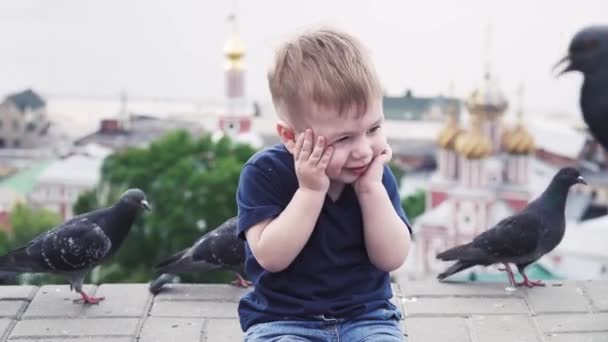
x=357, y=139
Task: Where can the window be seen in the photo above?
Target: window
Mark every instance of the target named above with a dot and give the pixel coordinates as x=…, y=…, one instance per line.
x=17, y=143
x=30, y=127
x=15, y=124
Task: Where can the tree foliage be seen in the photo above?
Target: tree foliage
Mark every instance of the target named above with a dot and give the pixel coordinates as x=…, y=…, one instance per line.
x=26, y=223
x=414, y=205
x=190, y=184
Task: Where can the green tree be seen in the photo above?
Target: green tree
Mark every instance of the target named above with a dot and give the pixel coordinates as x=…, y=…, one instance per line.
x=26, y=223
x=414, y=205
x=191, y=185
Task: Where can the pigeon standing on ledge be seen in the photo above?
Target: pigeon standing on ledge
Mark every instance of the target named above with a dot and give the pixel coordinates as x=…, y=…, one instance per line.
x=588, y=53
x=219, y=249
x=520, y=239
x=75, y=247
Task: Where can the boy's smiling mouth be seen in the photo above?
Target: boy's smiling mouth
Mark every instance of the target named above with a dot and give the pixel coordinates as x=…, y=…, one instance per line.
x=359, y=170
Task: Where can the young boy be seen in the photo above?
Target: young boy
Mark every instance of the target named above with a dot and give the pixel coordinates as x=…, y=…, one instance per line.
x=320, y=212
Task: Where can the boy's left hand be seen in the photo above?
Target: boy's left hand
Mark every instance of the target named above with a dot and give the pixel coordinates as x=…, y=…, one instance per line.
x=374, y=172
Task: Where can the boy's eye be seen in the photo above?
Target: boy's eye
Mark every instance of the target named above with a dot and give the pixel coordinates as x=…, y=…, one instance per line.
x=342, y=139
x=373, y=129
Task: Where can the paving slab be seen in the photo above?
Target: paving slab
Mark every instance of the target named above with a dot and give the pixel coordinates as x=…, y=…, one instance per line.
x=14, y=292
x=54, y=301
x=121, y=300
x=160, y=329
x=504, y=329
x=457, y=306
x=423, y=329
x=222, y=330
x=201, y=309
x=74, y=328
x=573, y=323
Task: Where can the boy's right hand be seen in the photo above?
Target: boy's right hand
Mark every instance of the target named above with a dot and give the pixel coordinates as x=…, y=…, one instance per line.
x=311, y=160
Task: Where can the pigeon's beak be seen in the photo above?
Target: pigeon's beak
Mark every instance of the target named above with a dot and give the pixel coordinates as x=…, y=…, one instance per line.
x=145, y=205
x=565, y=59
x=581, y=180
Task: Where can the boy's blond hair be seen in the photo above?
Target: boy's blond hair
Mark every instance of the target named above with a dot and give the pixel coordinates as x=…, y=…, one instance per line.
x=326, y=68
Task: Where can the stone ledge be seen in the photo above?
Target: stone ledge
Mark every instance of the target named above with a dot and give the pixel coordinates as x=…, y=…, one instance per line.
x=568, y=311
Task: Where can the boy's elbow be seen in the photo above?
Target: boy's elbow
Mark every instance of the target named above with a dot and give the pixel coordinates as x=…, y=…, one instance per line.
x=271, y=265
x=392, y=262
x=391, y=265
x=269, y=262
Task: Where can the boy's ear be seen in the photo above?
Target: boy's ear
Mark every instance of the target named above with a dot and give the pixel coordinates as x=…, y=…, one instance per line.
x=287, y=135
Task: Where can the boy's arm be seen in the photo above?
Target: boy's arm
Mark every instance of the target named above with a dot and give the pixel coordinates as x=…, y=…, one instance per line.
x=275, y=243
x=387, y=238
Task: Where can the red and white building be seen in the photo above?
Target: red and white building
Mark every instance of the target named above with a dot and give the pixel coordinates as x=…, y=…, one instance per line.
x=483, y=175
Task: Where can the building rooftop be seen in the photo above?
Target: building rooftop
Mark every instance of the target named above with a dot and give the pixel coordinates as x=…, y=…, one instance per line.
x=26, y=99
x=467, y=312
x=23, y=182
x=144, y=130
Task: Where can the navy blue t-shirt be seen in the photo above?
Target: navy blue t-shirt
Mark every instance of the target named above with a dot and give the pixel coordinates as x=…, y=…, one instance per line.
x=332, y=275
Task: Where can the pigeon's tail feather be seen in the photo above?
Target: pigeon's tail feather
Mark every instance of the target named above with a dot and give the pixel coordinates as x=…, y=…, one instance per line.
x=16, y=261
x=170, y=260
x=454, y=253
x=157, y=284
x=457, y=267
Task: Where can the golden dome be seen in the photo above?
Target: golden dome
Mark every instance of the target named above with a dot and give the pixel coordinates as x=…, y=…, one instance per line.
x=518, y=140
x=488, y=98
x=474, y=144
x=234, y=49
x=447, y=136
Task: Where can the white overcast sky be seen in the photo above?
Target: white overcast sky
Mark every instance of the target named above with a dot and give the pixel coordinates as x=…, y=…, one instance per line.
x=173, y=48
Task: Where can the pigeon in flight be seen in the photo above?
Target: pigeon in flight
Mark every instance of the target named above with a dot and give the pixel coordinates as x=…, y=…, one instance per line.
x=588, y=53
x=219, y=249
x=520, y=239
x=75, y=247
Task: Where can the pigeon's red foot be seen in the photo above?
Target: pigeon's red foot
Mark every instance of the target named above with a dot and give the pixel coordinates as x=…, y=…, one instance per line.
x=507, y=269
x=531, y=283
x=88, y=299
x=240, y=281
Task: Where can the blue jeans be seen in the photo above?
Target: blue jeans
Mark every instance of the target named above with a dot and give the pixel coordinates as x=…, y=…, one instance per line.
x=381, y=325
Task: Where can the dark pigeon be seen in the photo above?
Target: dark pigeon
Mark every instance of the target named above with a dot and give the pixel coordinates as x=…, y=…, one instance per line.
x=75, y=247
x=520, y=239
x=588, y=53
x=219, y=249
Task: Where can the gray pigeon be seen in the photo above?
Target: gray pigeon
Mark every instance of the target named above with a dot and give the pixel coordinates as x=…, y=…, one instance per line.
x=219, y=249
x=75, y=247
x=588, y=53
x=520, y=239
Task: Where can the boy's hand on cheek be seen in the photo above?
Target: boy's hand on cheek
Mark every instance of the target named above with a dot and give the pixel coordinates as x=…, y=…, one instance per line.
x=311, y=159
x=373, y=174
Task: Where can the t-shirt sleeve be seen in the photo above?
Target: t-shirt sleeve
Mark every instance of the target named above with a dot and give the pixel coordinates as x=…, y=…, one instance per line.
x=258, y=198
x=390, y=183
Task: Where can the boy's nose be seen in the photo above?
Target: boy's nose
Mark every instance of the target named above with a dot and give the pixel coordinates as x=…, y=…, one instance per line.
x=362, y=150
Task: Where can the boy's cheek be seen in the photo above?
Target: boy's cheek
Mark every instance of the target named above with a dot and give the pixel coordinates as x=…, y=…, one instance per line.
x=335, y=167
x=333, y=171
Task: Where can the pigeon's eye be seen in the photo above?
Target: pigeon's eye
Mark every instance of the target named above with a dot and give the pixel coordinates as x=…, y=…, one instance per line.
x=590, y=44
x=585, y=46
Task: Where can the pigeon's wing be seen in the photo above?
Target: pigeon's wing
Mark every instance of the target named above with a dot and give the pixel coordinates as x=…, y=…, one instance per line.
x=73, y=246
x=515, y=236
x=221, y=247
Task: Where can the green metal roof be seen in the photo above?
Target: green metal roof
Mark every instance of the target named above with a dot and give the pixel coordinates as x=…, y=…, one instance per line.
x=413, y=108
x=23, y=182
